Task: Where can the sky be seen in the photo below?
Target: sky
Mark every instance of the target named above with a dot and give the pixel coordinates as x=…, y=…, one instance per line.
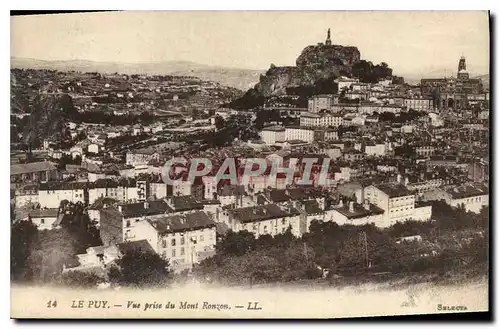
x=412, y=43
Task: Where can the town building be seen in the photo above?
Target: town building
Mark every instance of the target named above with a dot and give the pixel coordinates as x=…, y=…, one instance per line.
x=34, y=172
x=44, y=219
x=184, y=239
x=271, y=135
x=397, y=202
x=267, y=219
x=318, y=103
x=317, y=120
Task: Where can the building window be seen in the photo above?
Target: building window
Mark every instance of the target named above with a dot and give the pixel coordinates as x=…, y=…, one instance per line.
x=164, y=243
x=42, y=221
x=182, y=251
x=173, y=252
x=173, y=242
x=182, y=240
x=283, y=221
x=128, y=223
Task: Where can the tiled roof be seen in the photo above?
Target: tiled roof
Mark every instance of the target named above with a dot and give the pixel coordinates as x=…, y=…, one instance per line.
x=139, y=209
x=467, y=191
x=50, y=212
x=63, y=186
x=26, y=168
x=180, y=223
x=394, y=190
x=359, y=211
x=185, y=202
x=311, y=207
x=259, y=213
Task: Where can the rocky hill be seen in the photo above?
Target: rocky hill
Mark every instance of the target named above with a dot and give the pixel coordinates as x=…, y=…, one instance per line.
x=313, y=64
x=315, y=67
x=49, y=114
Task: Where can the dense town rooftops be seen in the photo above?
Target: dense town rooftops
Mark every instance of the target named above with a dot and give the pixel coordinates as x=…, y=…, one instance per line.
x=102, y=203
x=39, y=213
x=230, y=190
x=273, y=128
x=27, y=168
x=107, y=183
x=359, y=211
x=181, y=223
x=149, y=208
x=311, y=207
x=52, y=186
x=466, y=191
x=296, y=193
x=394, y=190
x=184, y=203
x=146, y=151
x=259, y=213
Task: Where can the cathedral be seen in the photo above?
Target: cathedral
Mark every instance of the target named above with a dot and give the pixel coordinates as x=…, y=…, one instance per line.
x=456, y=93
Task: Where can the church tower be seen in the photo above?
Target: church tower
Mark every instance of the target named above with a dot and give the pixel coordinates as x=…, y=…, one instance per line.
x=328, y=41
x=462, y=69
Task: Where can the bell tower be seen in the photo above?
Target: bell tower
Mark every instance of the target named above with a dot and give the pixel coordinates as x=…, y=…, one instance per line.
x=462, y=73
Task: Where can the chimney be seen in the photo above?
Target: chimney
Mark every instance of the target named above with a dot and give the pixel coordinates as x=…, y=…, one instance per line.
x=341, y=203
x=366, y=205
x=406, y=180
x=351, y=206
x=146, y=205
x=399, y=178
x=422, y=176
x=120, y=208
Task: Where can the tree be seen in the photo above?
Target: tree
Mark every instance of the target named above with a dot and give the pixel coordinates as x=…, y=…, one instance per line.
x=141, y=269
x=219, y=122
x=236, y=243
x=81, y=280
x=50, y=252
x=23, y=233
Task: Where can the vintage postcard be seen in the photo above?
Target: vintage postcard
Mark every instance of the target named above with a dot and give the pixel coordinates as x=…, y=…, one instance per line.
x=204, y=164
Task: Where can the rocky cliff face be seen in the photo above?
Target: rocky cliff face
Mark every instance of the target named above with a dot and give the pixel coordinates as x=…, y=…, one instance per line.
x=315, y=63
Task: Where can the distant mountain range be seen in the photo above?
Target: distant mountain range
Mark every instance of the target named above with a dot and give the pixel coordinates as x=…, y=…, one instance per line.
x=242, y=79
x=233, y=77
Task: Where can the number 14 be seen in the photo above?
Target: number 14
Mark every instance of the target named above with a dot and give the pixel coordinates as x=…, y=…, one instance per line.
x=51, y=303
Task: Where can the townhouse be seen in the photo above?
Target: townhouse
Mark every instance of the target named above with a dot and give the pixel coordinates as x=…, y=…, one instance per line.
x=183, y=239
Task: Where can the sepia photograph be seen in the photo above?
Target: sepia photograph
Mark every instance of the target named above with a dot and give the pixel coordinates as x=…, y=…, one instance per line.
x=249, y=164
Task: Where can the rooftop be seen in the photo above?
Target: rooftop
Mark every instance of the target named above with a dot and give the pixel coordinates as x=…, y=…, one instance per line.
x=38, y=213
x=181, y=223
x=26, y=168
x=469, y=190
x=394, y=190
x=359, y=211
x=150, y=208
x=185, y=202
x=259, y=213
